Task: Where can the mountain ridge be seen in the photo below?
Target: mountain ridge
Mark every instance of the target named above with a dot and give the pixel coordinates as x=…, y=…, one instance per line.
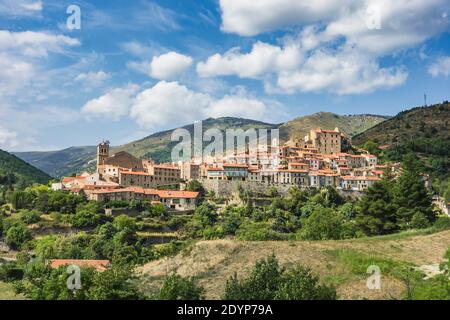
x=157, y=146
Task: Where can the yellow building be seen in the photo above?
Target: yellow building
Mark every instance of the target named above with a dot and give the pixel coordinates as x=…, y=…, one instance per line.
x=326, y=141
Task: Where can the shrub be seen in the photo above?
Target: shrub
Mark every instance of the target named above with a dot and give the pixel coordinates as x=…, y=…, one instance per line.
x=324, y=223
x=176, y=287
x=258, y=231
x=442, y=223
x=17, y=235
x=268, y=281
x=85, y=218
x=30, y=217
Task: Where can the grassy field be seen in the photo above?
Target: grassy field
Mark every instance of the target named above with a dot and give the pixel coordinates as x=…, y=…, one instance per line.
x=342, y=263
x=7, y=292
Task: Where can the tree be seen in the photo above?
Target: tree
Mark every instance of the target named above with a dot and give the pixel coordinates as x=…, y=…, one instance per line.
x=300, y=284
x=85, y=218
x=116, y=283
x=206, y=215
x=411, y=196
x=268, y=281
x=376, y=210
x=176, y=287
x=323, y=223
x=17, y=235
x=262, y=284
x=194, y=185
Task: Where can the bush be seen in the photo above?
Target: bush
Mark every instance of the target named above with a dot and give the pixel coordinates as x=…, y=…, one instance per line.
x=442, y=223
x=176, y=287
x=258, y=231
x=268, y=281
x=323, y=224
x=30, y=217
x=85, y=218
x=17, y=235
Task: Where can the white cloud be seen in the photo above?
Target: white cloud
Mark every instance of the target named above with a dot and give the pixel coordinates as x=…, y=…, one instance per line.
x=249, y=17
x=404, y=23
x=93, y=79
x=342, y=71
x=345, y=70
x=335, y=31
x=15, y=74
x=113, y=105
x=440, y=68
x=34, y=44
x=168, y=103
x=239, y=106
x=14, y=8
x=169, y=65
x=8, y=139
x=262, y=59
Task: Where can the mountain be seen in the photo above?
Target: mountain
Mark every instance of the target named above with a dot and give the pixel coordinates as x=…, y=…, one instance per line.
x=158, y=145
x=347, y=124
x=420, y=122
x=10, y=164
x=423, y=131
x=62, y=162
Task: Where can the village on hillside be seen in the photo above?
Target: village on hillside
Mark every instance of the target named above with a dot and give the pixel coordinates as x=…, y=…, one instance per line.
x=316, y=161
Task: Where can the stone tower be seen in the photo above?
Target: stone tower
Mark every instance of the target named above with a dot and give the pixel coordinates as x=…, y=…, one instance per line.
x=102, y=152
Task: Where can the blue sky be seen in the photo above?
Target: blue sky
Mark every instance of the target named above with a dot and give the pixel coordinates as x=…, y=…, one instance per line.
x=137, y=67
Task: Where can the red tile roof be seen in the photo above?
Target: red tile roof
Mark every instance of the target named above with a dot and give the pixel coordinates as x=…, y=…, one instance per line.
x=99, y=265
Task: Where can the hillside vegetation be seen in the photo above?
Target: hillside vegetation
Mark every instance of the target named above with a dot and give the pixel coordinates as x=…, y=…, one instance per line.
x=158, y=145
x=423, y=131
x=62, y=162
x=413, y=124
x=349, y=124
x=25, y=173
x=341, y=263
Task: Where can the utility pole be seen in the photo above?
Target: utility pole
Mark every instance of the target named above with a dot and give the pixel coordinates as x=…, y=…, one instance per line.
x=425, y=99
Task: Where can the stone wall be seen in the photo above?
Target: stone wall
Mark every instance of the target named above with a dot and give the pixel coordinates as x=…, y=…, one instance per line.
x=224, y=188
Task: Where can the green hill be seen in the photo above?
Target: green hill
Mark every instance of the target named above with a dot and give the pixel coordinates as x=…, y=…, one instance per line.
x=423, y=131
x=158, y=145
x=416, y=123
x=348, y=124
x=61, y=162
x=12, y=165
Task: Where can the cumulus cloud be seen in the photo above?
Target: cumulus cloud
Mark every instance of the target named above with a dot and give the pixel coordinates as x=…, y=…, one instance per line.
x=170, y=103
x=341, y=71
x=306, y=67
x=440, y=68
x=8, y=139
x=93, y=79
x=336, y=48
x=249, y=17
x=113, y=105
x=169, y=65
x=402, y=23
x=262, y=59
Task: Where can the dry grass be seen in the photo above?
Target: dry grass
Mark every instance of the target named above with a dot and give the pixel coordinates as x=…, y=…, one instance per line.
x=7, y=292
x=213, y=262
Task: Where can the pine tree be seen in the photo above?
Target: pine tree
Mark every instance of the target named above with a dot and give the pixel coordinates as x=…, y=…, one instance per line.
x=411, y=196
x=376, y=209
